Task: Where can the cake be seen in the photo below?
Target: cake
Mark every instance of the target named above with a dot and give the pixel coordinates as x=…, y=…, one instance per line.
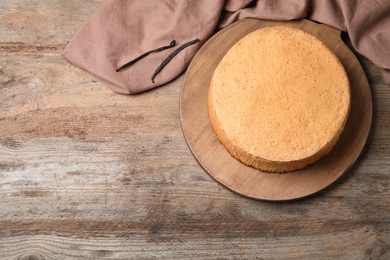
x=279, y=99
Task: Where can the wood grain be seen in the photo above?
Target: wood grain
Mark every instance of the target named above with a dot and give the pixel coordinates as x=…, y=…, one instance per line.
x=248, y=181
x=88, y=174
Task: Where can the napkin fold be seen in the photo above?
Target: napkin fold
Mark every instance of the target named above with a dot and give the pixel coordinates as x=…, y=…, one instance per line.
x=160, y=37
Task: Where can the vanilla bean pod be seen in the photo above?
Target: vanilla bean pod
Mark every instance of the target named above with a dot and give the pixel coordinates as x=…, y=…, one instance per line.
x=172, y=44
x=171, y=56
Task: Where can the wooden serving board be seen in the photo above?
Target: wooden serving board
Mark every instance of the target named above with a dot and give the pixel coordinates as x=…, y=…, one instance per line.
x=251, y=182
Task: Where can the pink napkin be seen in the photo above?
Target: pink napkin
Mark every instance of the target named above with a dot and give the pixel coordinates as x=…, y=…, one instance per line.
x=120, y=31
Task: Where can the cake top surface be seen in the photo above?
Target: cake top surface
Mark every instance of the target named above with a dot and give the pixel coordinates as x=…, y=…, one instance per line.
x=280, y=94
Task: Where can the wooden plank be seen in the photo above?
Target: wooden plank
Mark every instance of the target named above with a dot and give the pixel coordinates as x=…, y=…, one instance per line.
x=88, y=174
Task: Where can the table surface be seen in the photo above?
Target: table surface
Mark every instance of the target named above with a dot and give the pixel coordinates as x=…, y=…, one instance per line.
x=89, y=174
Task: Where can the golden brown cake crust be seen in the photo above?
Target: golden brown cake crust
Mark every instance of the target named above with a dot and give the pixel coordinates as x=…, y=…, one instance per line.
x=279, y=99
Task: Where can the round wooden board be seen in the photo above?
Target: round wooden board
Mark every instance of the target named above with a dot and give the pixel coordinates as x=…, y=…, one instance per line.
x=251, y=182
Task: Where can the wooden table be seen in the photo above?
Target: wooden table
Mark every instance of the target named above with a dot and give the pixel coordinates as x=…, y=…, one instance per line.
x=89, y=174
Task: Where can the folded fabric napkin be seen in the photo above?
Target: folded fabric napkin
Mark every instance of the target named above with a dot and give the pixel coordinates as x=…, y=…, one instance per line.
x=158, y=38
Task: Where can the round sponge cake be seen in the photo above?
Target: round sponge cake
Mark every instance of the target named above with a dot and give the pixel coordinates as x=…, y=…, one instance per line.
x=279, y=99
